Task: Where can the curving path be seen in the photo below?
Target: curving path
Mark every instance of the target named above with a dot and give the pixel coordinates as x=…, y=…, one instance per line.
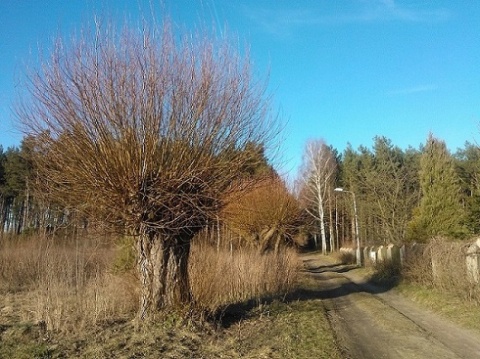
x=371, y=323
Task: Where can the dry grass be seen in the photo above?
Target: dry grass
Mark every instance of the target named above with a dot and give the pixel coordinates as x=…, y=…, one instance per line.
x=71, y=285
x=84, y=305
x=67, y=282
x=441, y=265
x=220, y=277
x=19, y=263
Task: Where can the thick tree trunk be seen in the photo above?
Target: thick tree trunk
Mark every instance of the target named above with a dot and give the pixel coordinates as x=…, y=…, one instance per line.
x=163, y=270
x=278, y=243
x=265, y=236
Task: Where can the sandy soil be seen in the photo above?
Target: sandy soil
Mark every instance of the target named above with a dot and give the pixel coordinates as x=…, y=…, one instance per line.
x=370, y=322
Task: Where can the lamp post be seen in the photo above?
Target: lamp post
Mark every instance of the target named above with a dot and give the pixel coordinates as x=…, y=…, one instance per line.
x=357, y=236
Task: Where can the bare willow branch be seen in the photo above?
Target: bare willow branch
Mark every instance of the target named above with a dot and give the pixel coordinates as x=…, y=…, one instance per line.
x=141, y=130
x=146, y=132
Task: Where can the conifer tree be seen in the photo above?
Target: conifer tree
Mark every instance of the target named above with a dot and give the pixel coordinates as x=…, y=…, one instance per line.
x=440, y=211
x=392, y=190
x=468, y=166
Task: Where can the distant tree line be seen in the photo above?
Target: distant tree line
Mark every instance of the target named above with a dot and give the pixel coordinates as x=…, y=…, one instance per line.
x=15, y=199
x=26, y=207
x=401, y=195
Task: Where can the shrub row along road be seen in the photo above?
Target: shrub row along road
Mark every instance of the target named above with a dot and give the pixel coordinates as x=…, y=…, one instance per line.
x=372, y=323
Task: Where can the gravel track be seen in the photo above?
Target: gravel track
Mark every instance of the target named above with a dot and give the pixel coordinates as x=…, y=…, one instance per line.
x=370, y=322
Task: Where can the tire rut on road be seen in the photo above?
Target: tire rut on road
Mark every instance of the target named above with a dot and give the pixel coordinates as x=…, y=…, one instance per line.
x=370, y=324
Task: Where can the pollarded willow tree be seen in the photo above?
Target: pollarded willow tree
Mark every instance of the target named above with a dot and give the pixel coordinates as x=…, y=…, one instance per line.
x=146, y=131
x=266, y=216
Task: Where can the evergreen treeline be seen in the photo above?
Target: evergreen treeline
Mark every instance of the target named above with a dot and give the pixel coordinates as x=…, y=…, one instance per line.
x=15, y=199
x=412, y=194
x=24, y=206
x=405, y=195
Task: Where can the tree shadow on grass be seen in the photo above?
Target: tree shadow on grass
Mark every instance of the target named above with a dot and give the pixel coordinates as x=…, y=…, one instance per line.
x=331, y=281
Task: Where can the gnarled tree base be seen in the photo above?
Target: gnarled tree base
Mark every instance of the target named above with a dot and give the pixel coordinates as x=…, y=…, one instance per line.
x=163, y=270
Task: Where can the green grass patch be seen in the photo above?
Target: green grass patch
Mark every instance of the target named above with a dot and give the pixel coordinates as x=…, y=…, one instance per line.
x=464, y=313
x=280, y=330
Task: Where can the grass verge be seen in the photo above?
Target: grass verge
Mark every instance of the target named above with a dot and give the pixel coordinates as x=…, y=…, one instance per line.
x=454, y=308
x=298, y=329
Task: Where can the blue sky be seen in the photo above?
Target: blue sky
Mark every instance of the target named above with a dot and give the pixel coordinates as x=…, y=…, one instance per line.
x=341, y=70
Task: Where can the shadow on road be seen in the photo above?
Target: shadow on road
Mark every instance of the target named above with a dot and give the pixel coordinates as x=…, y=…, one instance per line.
x=330, y=281
x=337, y=268
x=339, y=284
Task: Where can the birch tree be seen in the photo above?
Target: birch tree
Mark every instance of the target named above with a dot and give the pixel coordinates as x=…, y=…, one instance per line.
x=317, y=180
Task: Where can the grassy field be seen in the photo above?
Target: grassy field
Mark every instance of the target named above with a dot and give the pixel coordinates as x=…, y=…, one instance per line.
x=277, y=330
x=65, y=300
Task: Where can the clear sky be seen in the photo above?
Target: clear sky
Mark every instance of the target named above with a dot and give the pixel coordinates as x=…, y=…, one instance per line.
x=341, y=70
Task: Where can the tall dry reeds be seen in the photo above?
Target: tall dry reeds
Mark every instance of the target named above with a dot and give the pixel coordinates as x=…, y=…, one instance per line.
x=20, y=260
x=66, y=284
x=220, y=276
x=70, y=285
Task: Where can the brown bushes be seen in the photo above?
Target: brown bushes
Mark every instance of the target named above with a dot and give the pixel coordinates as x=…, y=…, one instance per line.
x=345, y=257
x=266, y=216
x=442, y=265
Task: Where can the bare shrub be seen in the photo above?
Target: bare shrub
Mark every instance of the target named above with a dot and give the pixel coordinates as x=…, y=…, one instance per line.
x=387, y=272
x=418, y=266
x=449, y=268
x=442, y=265
x=220, y=277
x=345, y=257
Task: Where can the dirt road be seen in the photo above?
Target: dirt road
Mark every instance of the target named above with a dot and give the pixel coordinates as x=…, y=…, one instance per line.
x=373, y=323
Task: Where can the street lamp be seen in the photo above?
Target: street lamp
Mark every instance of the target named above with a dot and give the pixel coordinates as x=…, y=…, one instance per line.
x=357, y=237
